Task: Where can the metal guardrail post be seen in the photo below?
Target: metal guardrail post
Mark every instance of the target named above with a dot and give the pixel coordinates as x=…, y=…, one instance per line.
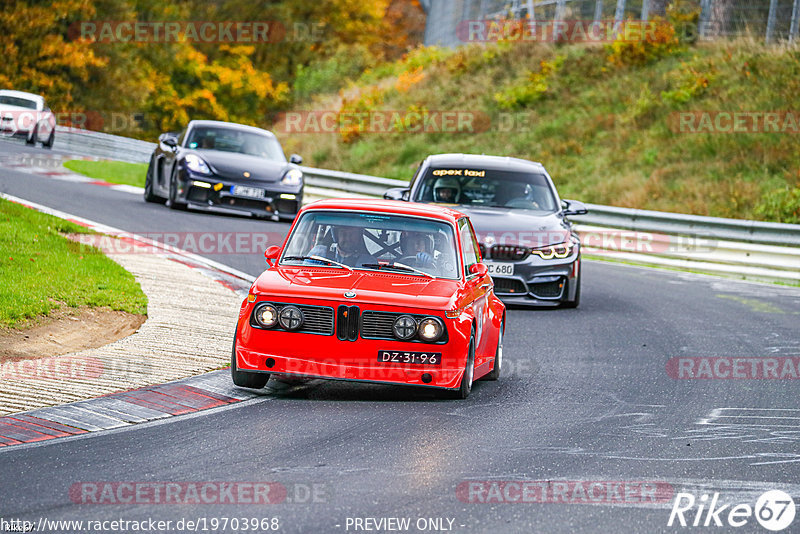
x=598, y=10
x=531, y=15
x=705, y=16
x=773, y=7
x=559, y=15
x=793, y=30
x=619, y=14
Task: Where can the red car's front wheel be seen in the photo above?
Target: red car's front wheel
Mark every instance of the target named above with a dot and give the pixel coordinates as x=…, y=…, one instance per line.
x=243, y=378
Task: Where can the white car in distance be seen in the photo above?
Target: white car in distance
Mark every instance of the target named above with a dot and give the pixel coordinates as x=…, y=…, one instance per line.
x=27, y=115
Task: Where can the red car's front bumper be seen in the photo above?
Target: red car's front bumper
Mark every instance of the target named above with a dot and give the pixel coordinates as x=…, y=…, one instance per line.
x=326, y=356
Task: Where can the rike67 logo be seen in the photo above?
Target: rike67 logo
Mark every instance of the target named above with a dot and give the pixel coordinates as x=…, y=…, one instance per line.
x=774, y=510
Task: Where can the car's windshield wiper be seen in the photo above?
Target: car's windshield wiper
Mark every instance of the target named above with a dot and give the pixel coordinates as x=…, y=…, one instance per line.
x=397, y=266
x=318, y=258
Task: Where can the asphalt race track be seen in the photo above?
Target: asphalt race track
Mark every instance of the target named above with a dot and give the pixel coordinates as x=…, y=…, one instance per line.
x=586, y=397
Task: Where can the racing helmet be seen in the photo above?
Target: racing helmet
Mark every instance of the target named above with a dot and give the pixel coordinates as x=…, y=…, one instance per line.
x=446, y=189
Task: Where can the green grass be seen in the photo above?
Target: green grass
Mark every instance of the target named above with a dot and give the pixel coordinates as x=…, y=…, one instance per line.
x=43, y=270
x=115, y=172
x=602, y=130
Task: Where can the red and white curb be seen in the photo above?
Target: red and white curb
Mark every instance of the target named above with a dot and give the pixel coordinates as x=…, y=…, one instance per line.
x=126, y=408
x=123, y=409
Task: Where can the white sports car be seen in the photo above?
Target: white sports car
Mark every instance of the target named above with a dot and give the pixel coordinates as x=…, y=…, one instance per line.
x=27, y=115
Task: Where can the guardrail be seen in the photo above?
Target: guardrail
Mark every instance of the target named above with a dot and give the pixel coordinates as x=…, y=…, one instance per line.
x=749, y=249
x=102, y=145
x=676, y=223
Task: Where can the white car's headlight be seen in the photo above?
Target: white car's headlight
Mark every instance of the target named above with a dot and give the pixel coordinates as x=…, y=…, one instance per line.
x=559, y=251
x=292, y=177
x=196, y=164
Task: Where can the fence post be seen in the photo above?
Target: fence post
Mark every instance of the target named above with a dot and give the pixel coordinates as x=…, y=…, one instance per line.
x=705, y=14
x=559, y=14
x=645, y=10
x=619, y=14
x=795, y=21
x=598, y=10
x=773, y=6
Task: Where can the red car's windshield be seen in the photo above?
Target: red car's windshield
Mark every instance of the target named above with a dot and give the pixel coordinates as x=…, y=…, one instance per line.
x=371, y=241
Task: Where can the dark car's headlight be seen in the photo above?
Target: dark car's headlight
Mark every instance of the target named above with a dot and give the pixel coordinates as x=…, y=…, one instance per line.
x=559, y=251
x=266, y=316
x=196, y=164
x=292, y=177
x=430, y=329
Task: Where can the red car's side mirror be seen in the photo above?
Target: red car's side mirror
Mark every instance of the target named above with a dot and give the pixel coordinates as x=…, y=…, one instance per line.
x=271, y=254
x=478, y=268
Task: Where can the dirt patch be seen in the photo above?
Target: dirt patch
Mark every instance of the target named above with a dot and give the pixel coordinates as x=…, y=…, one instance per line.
x=68, y=330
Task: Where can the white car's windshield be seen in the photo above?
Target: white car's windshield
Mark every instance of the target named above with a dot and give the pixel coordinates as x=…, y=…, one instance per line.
x=487, y=187
x=369, y=241
x=17, y=101
x=231, y=140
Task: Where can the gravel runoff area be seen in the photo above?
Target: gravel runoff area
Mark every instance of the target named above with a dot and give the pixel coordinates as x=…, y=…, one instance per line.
x=192, y=312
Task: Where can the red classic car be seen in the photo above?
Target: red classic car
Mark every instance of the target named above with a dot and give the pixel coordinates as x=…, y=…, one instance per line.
x=373, y=291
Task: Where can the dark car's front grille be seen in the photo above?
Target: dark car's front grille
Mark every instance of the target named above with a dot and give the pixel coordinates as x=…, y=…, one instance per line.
x=509, y=252
x=547, y=290
x=316, y=319
x=286, y=206
x=508, y=286
x=197, y=194
x=379, y=325
x=245, y=203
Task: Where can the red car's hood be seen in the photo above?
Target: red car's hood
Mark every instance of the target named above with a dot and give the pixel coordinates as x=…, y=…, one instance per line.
x=370, y=287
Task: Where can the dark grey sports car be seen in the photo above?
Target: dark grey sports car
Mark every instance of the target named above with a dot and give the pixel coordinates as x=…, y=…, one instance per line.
x=225, y=167
x=526, y=240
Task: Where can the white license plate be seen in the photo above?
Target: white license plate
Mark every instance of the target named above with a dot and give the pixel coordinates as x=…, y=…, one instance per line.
x=501, y=269
x=252, y=192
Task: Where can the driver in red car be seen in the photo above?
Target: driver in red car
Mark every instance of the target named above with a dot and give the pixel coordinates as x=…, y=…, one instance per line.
x=348, y=247
x=418, y=245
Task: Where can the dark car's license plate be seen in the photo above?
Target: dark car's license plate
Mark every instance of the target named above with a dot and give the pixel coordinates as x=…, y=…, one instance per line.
x=417, y=358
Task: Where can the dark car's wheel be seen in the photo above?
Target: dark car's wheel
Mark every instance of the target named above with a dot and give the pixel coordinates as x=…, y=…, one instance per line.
x=465, y=388
x=149, y=196
x=173, y=191
x=577, y=300
x=50, y=140
x=32, y=139
x=243, y=378
x=494, y=374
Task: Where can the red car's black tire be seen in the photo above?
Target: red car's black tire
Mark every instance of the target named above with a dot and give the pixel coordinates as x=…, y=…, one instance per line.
x=243, y=378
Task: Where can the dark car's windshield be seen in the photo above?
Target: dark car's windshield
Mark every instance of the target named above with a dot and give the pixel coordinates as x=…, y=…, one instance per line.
x=486, y=187
x=18, y=102
x=231, y=140
x=370, y=241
